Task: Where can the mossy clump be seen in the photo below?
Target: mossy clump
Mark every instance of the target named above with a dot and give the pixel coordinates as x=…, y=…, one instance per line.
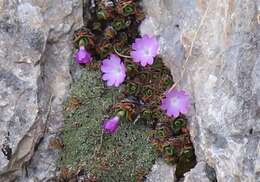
x=125, y=156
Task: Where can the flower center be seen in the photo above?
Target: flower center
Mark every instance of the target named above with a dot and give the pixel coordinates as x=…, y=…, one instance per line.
x=174, y=102
x=146, y=51
x=117, y=71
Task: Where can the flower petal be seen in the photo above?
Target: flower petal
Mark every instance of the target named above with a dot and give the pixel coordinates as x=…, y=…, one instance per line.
x=176, y=102
x=144, y=50
x=114, y=70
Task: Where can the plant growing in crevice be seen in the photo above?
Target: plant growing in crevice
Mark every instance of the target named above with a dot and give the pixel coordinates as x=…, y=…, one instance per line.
x=132, y=64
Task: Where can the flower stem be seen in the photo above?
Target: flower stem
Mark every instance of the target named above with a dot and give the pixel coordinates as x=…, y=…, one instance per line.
x=121, y=55
x=137, y=118
x=101, y=141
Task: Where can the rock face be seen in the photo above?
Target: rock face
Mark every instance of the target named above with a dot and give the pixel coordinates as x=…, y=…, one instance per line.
x=222, y=75
x=201, y=173
x=35, y=56
x=161, y=172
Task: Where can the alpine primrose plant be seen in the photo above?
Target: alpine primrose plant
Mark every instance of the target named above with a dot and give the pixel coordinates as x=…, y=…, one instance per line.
x=110, y=126
x=144, y=50
x=82, y=56
x=175, y=103
x=110, y=42
x=113, y=70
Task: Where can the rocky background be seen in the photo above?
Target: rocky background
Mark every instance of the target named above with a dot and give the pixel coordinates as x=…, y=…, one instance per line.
x=222, y=75
x=35, y=58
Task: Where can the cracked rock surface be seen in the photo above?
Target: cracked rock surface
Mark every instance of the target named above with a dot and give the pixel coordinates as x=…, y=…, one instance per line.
x=35, y=56
x=222, y=76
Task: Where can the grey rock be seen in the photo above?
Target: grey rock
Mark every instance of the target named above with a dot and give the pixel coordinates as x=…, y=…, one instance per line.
x=35, y=62
x=222, y=77
x=161, y=172
x=199, y=173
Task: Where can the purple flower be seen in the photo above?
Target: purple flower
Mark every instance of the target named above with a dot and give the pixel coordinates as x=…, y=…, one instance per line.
x=176, y=102
x=114, y=70
x=111, y=125
x=144, y=50
x=82, y=56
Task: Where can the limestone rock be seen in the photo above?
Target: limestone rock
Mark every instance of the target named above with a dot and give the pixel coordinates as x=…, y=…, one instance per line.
x=161, y=172
x=222, y=76
x=200, y=173
x=35, y=59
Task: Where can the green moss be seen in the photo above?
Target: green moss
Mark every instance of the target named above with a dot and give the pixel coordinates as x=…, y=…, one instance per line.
x=125, y=156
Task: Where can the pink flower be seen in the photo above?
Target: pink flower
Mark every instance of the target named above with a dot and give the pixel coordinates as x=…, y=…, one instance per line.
x=144, y=50
x=82, y=56
x=176, y=102
x=114, y=70
x=110, y=126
